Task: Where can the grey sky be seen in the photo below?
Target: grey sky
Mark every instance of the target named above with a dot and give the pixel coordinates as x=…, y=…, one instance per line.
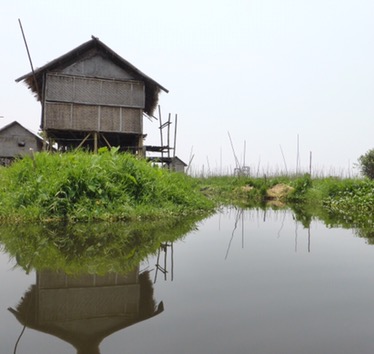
x=267, y=71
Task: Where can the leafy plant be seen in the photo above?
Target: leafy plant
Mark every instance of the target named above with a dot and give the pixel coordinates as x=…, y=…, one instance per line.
x=366, y=164
x=105, y=186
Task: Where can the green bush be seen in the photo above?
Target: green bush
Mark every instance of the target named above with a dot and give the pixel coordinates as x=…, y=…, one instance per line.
x=366, y=164
x=105, y=186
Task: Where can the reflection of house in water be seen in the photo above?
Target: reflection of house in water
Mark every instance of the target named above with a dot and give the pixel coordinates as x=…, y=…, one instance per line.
x=84, y=310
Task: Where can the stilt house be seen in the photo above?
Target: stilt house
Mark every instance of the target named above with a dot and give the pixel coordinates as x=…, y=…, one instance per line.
x=92, y=97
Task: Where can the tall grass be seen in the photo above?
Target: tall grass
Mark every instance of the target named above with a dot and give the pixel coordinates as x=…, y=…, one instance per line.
x=105, y=186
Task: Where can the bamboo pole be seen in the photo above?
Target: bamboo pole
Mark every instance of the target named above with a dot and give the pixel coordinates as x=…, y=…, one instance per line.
x=175, y=135
x=32, y=66
x=162, y=140
x=169, y=122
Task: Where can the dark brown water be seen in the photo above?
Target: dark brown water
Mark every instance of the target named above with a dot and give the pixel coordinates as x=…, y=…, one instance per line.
x=249, y=282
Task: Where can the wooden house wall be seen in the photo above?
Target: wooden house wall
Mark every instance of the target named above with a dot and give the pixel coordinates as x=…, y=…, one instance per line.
x=70, y=116
x=93, y=94
x=16, y=141
x=97, y=66
x=178, y=166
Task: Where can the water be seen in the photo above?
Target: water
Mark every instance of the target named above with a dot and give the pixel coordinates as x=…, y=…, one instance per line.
x=245, y=282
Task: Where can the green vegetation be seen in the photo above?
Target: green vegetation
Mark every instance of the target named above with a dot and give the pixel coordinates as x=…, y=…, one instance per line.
x=344, y=200
x=107, y=212
x=97, y=248
x=111, y=186
x=106, y=186
x=366, y=164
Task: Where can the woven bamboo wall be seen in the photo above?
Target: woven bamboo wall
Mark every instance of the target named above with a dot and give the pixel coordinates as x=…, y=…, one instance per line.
x=70, y=116
x=91, y=104
x=86, y=90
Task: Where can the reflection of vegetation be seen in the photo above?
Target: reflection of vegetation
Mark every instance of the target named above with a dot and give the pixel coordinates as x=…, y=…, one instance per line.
x=367, y=233
x=347, y=203
x=304, y=216
x=362, y=225
x=92, y=248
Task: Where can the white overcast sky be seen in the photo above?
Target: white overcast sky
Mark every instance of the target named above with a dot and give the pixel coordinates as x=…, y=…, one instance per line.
x=285, y=78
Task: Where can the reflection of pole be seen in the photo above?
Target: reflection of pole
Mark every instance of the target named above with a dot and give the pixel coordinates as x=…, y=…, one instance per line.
x=159, y=267
x=309, y=239
x=239, y=215
x=172, y=262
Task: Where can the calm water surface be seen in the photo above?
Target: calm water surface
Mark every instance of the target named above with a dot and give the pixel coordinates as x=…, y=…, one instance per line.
x=245, y=282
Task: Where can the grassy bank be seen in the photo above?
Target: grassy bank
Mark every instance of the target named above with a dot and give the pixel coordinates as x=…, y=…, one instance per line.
x=106, y=186
x=351, y=200
x=111, y=186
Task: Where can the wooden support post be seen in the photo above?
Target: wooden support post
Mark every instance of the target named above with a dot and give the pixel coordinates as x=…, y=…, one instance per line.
x=45, y=140
x=95, y=142
x=141, y=150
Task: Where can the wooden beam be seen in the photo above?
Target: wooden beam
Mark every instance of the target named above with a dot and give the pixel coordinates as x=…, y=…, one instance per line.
x=106, y=141
x=83, y=141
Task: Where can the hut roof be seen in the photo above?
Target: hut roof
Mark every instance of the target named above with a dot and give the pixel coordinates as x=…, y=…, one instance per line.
x=85, y=50
x=15, y=123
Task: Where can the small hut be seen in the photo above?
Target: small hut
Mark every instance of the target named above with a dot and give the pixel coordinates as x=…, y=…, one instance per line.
x=17, y=141
x=92, y=97
x=172, y=163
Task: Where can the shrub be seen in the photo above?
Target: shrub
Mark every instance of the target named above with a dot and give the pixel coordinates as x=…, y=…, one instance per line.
x=105, y=186
x=366, y=164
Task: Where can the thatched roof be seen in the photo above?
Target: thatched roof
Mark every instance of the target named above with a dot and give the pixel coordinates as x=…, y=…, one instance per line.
x=87, y=50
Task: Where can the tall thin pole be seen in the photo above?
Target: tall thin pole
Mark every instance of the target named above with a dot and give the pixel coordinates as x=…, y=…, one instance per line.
x=162, y=142
x=175, y=134
x=297, y=155
x=284, y=160
x=169, y=122
x=310, y=163
x=28, y=54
